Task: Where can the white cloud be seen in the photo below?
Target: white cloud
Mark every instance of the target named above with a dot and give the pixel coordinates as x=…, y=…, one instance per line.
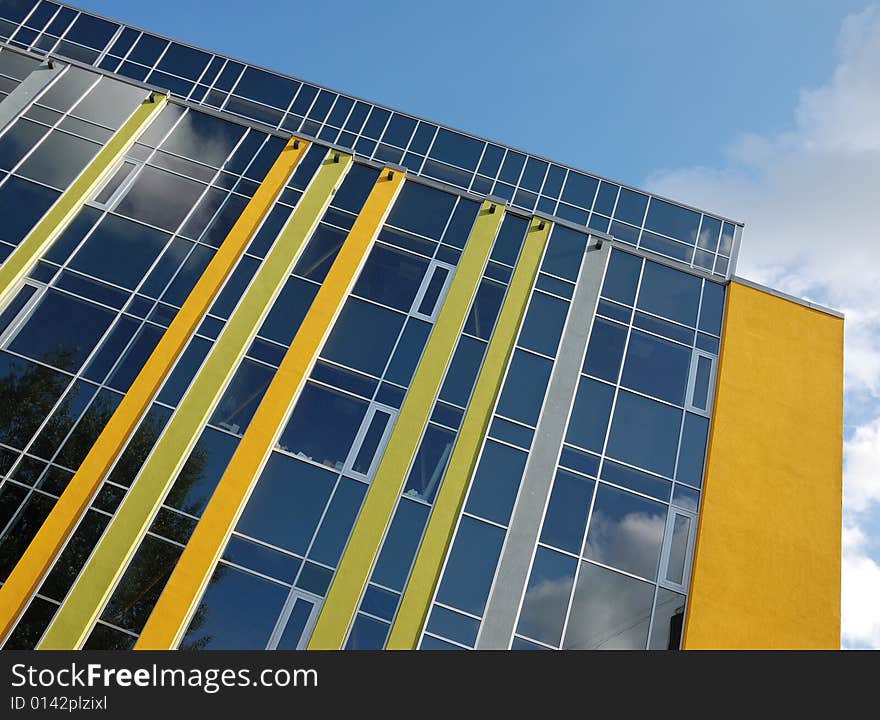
x=809, y=197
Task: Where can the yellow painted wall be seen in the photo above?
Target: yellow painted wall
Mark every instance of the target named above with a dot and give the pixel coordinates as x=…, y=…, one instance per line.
x=767, y=564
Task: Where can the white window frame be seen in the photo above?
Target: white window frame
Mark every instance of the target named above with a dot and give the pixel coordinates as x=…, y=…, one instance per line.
x=666, y=550
x=280, y=626
x=692, y=381
x=426, y=282
x=348, y=465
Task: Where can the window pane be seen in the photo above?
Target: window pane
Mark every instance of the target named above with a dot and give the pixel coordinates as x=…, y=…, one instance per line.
x=656, y=367
x=323, y=426
x=120, y=251
x=367, y=634
x=432, y=292
x=363, y=336
x=626, y=531
x=496, y=482
x=422, y=210
x=524, y=388
x=610, y=611
x=693, y=449
x=287, y=503
x=484, y=312
x=22, y=204
x=242, y=396
x=202, y=471
x=338, y=521
x=453, y=625
x=320, y=252
x=567, y=511
x=622, y=277
x=203, y=137
x=62, y=331
x=701, y=383
x=237, y=612
x=644, y=433
x=564, y=253
x=160, y=198
x=408, y=352
x=288, y=311
x=400, y=544
x=370, y=443
x=543, y=324
x=462, y=373
x=546, y=598
x=391, y=277
x=712, y=308
x=605, y=350
x=59, y=159
x=430, y=463
x=471, y=566
x=589, y=416
x=668, y=621
x=670, y=293
x=678, y=549
x=296, y=624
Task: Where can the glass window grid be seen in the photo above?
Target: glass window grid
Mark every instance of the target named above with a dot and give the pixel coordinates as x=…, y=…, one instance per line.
x=659, y=583
x=430, y=504
x=345, y=472
x=370, y=144
x=155, y=532
x=16, y=170
x=465, y=513
x=20, y=320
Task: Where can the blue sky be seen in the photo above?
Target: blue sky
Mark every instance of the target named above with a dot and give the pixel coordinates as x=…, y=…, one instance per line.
x=763, y=111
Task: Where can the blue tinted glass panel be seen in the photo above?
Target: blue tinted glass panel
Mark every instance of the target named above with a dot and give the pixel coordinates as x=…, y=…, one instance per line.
x=656, y=367
x=409, y=350
x=673, y=220
x=237, y=612
x=62, y=331
x=363, y=336
x=400, y=544
x=589, y=416
x=636, y=480
x=670, y=293
x=496, y=482
x=622, y=277
x=202, y=471
x=422, y=210
x=693, y=449
x=338, y=522
x=712, y=308
x=524, y=388
x=453, y=625
x=644, y=433
x=566, y=516
x=323, y=426
x=287, y=503
x=288, y=311
x=626, y=531
x=605, y=350
x=546, y=599
x=471, y=566
x=430, y=463
x=367, y=634
x=564, y=253
x=391, y=277
x=542, y=327
x=462, y=372
x=242, y=396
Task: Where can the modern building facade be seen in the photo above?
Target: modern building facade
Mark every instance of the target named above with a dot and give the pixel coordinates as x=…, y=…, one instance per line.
x=282, y=368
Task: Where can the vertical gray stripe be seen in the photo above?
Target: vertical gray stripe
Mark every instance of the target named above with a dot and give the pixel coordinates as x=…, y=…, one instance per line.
x=15, y=103
x=513, y=569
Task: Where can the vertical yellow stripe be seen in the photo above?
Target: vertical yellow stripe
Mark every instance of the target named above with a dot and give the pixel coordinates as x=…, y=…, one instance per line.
x=178, y=601
x=767, y=565
x=74, y=501
x=366, y=538
x=426, y=570
x=38, y=240
x=86, y=599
